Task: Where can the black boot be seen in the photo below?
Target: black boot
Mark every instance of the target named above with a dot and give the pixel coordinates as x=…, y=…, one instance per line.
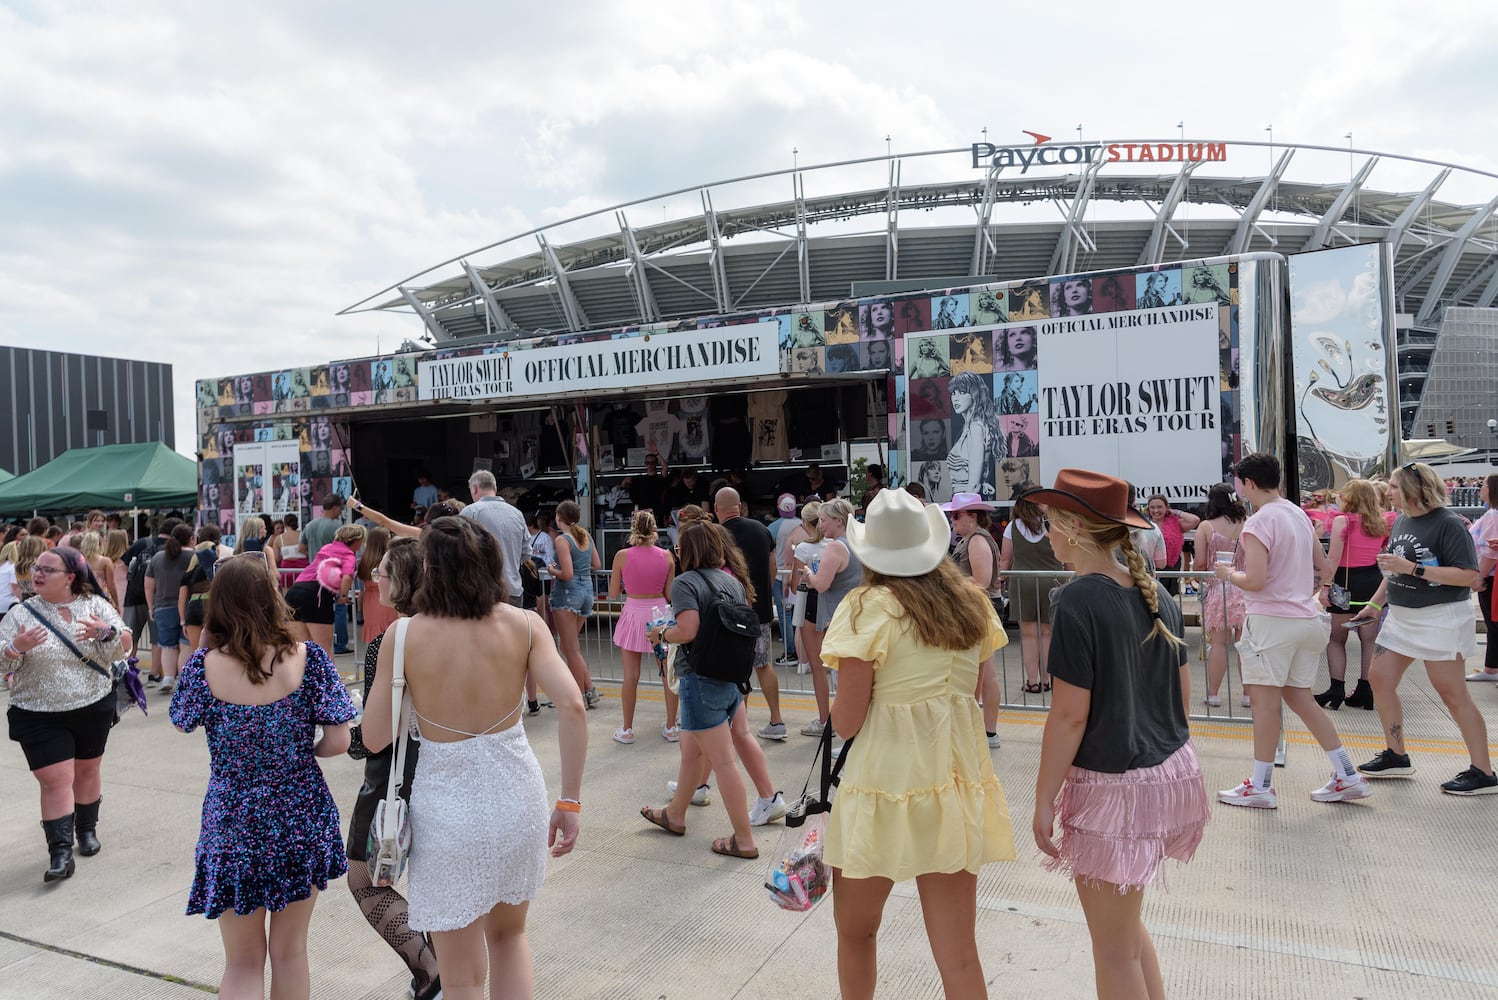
x=60, y=846
x=1362, y=696
x=85, y=822
x=1333, y=696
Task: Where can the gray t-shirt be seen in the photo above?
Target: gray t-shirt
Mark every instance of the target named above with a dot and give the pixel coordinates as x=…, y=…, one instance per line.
x=1136, y=718
x=1435, y=538
x=690, y=592
x=319, y=532
x=168, y=575
x=505, y=522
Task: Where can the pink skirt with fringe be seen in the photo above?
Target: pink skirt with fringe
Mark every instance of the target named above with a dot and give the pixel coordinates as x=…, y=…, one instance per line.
x=1117, y=828
x=629, y=630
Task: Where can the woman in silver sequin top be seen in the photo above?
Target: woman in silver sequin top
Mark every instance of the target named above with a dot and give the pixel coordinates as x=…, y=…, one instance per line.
x=61, y=709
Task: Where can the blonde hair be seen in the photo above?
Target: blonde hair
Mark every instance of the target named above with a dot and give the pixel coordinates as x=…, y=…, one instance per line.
x=27, y=551
x=809, y=517
x=8, y=553
x=944, y=608
x=88, y=545
x=350, y=534
x=840, y=509
x=642, y=528
x=115, y=543
x=1419, y=484
x=1360, y=497
x=1104, y=537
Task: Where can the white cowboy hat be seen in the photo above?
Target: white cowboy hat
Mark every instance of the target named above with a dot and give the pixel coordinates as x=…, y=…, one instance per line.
x=900, y=536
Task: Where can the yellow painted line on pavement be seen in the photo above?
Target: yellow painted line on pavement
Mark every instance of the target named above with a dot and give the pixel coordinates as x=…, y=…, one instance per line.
x=1239, y=732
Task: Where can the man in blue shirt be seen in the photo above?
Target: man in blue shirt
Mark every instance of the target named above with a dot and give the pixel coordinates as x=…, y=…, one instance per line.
x=425, y=493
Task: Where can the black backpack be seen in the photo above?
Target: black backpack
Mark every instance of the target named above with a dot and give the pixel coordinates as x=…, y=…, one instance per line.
x=135, y=575
x=727, y=632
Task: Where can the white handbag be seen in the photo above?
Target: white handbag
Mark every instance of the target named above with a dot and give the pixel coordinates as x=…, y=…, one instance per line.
x=389, y=843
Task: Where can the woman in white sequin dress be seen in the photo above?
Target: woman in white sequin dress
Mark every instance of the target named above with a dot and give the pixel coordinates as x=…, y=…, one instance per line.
x=479, y=818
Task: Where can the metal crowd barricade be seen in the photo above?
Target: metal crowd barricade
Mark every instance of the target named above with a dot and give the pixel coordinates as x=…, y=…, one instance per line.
x=597, y=642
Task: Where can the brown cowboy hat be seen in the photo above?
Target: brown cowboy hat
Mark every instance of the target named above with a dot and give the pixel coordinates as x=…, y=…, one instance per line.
x=1091, y=494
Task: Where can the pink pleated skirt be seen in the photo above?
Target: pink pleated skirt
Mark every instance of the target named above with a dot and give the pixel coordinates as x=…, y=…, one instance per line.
x=629, y=628
x=1117, y=828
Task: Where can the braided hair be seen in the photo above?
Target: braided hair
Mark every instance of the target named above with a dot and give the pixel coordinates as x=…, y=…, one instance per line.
x=1106, y=536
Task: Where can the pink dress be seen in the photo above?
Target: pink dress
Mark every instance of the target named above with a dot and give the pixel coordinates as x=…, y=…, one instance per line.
x=377, y=617
x=1219, y=593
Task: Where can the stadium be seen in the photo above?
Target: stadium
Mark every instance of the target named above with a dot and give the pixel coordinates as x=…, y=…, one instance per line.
x=986, y=212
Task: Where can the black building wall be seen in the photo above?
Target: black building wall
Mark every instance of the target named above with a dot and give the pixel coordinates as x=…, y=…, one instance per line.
x=50, y=402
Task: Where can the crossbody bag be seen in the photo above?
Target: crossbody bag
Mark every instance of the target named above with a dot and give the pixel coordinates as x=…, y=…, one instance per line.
x=124, y=676
x=389, y=844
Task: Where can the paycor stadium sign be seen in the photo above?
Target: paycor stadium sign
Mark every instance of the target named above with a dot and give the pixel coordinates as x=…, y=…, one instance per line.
x=1042, y=154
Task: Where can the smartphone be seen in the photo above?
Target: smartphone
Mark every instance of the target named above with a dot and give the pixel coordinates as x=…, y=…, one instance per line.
x=1356, y=624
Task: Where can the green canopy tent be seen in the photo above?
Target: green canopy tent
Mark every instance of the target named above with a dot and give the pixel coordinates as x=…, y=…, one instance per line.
x=6, y=477
x=113, y=476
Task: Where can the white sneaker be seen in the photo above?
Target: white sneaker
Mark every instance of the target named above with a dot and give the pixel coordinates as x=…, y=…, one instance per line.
x=1247, y=795
x=993, y=741
x=701, y=797
x=1481, y=675
x=1212, y=701
x=1245, y=702
x=166, y=685
x=767, y=810
x=802, y=667
x=771, y=731
x=1340, y=789
x=623, y=735
x=813, y=728
x=671, y=734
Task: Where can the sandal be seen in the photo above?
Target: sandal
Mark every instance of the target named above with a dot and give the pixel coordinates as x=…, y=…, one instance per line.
x=1045, y=685
x=1034, y=687
x=663, y=821
x=729, y=847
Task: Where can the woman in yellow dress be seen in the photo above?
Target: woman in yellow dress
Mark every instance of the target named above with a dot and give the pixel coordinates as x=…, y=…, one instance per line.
x=919, y=798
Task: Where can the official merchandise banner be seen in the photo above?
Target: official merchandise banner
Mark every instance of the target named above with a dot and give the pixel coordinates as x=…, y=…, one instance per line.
x=1135, y=394
x=1138, y=393
x=726, y=352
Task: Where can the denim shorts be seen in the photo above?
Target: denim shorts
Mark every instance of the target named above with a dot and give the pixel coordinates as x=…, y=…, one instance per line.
x=573, y=595
x=168, y=627
x=706, y=703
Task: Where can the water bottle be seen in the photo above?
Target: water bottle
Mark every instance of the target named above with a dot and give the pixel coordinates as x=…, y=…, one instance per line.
x=658, y=619
x=798, y=611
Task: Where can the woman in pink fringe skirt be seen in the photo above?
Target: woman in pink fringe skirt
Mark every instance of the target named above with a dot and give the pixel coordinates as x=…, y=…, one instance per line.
x=1117, y=767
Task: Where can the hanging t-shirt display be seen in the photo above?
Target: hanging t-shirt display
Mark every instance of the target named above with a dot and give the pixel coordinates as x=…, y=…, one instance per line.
x=617, y=427
x=767, y=424
x=553, y=443
x=525, y=450
x=691, y=439
x=731, y=442
x=812, y=421
x=659, y=427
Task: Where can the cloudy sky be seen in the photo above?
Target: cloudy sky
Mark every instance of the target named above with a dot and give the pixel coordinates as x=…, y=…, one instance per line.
x=208, y=184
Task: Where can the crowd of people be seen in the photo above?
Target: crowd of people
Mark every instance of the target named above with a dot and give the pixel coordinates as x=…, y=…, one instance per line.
x=897, y=617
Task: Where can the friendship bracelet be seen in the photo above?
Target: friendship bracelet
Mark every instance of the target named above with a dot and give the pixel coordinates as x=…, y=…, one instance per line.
x=1374, y=604
x=12, y=653
x=569, y=806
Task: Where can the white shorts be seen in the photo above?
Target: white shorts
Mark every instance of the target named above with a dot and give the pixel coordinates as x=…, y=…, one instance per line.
x=1436, y=634
x=1282, y=652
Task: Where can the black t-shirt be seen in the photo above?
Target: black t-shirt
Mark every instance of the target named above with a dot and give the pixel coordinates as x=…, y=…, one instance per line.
x=1435, y=538
x=756, y=544
x=648, y=493
x=1136, y=718
x=681, y=494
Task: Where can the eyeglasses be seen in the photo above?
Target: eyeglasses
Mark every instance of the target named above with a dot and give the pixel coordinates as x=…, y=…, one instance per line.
x=46, y=570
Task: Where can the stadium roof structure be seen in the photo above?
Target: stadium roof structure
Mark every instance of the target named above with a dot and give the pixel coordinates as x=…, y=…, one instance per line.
x=905, y=218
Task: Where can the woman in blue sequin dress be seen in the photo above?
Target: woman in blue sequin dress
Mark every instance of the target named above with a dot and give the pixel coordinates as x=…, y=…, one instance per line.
x=270, y=835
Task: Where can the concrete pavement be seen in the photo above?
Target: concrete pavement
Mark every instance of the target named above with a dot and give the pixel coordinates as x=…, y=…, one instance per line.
x=1385, y=898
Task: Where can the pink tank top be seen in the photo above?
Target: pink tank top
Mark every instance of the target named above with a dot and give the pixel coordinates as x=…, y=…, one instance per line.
x=1359, y=549
x=645, y=570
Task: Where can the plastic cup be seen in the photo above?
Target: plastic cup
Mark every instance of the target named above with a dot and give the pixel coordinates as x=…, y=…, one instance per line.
x=1224, y=558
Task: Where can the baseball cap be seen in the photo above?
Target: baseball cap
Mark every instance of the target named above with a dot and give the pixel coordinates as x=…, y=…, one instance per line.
x=786, y=504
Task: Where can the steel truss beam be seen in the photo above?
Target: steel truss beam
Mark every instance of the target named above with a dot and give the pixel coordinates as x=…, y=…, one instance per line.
x=1339, y=206
x=803, y=249
x=715, y=253
x=497, y=315
x=1249, y=221
x=1154, y=250
x=427, y=319
x=1401, y=227
x=639, y=277
x=572, y=311
x=1450, y=258
x=1064, y=257
x=892, y=224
